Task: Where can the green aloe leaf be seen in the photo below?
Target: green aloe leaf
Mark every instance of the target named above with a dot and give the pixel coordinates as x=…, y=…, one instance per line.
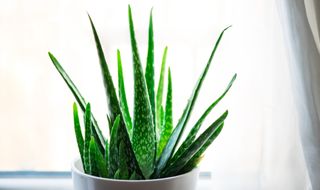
x=111, y=95
x=193, y=133
x=119, y=134
x=101, y=162
x=123, y=98
x=81, y=101
x=190, y=165
x=194, y=161
x=114, y=149
x=123, y=161
x=114, y=104
x=77, y=130
x=93, y=170
x=87, y=138
x=98, y=165
x=177, y=165
x=109, y=122
x=135, y=176
x=96, y=131
x=177, y=132
x=166, y=128
x=117, y=174
x=149, y=74
x=143, y=136
x=160, y=93
x=162, y=120
x=133, y=164
x=106, y=157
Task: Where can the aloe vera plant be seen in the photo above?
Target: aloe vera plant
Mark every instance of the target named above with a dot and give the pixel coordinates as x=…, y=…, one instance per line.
x=142, y=145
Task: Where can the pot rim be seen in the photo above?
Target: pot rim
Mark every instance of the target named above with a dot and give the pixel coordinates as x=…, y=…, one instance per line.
x=76, y=170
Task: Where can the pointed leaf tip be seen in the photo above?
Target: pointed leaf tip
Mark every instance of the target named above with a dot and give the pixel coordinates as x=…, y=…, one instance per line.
x=122, y=97
x=179, y=129
x=79, y=98
x=149, y=70
x=144, y=136
x=151, y=12
x=192, y=134
x=227, y=28
x=111, y=96
x=129, y=9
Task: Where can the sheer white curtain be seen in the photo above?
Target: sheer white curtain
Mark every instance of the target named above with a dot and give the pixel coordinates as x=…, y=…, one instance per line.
x=301, y=23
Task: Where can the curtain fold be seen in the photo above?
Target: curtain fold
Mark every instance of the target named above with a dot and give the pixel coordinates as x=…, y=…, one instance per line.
x=301, y=34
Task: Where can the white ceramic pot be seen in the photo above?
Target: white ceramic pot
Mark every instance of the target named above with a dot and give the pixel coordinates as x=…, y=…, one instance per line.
x=82, y=181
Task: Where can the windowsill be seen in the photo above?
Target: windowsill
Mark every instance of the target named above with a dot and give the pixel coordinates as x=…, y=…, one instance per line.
x=62, y=181
x=29, y=180
x=36, y=184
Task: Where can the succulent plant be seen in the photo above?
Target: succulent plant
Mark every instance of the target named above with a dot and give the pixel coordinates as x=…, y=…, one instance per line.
x=144, y=146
